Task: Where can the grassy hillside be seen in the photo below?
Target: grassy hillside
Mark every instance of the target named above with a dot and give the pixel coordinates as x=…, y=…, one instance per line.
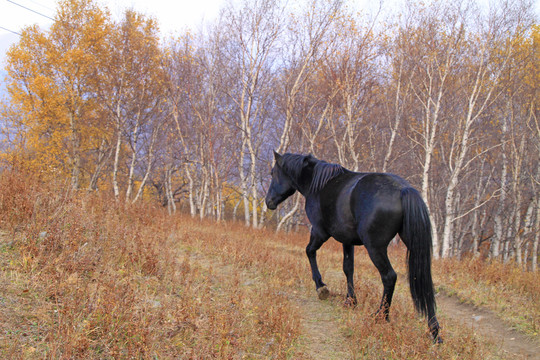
x=82, y=277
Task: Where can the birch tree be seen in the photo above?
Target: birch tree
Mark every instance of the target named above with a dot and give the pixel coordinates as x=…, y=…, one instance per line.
x=432, y=39
x=308, y=35
x=51, y=78
x=398, y=89
x=253, y=30
x=129, y=90
x=354, y=76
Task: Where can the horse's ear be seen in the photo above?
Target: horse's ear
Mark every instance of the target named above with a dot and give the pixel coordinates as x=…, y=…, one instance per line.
x=307, y=160
x=277, y=157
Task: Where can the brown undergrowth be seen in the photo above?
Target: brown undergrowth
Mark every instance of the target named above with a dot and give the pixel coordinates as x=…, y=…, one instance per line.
x=84, y=277
x=505, y=289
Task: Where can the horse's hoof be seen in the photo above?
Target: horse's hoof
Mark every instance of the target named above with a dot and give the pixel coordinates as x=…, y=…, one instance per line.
x=381, y=316
x=323, y=293
x=350, y=302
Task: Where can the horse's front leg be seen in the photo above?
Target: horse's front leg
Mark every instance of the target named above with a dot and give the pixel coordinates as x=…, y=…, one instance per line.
x=348, y=269
x=315, y=243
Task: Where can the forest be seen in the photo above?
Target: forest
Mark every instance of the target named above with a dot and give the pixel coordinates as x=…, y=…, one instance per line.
x=444, y=94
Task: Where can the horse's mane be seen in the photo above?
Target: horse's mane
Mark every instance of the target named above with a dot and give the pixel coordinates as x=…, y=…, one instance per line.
x=323, y=172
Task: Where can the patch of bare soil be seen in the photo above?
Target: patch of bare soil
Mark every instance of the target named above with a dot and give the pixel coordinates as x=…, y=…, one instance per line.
x=322, y=339
x=512, y=344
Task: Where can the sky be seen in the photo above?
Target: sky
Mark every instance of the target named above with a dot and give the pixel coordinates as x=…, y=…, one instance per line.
x=172, y=15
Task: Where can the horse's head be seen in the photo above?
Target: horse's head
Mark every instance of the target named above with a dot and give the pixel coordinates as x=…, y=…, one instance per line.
x=281, y=186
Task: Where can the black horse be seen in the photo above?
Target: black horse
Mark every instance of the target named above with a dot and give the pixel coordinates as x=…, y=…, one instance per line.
x=361, y=209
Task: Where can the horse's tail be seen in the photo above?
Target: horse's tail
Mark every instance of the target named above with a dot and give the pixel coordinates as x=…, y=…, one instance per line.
x=416, y=233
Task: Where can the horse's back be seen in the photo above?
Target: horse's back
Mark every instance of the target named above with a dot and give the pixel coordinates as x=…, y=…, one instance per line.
x=355, y=206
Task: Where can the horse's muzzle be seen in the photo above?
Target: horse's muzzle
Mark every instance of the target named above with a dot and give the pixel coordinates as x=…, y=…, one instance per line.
x=271, y=204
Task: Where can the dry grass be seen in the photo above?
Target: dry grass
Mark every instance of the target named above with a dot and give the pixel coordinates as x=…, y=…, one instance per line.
x=86, y=278
x=83, y=278
x=507, y=290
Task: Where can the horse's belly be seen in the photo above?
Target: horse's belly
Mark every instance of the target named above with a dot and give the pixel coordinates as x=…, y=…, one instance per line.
x=346, y=235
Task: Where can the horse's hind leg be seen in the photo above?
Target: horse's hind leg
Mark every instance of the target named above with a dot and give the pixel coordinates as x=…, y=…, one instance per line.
x=315, y=243
x=348, y=269
x=379, y=257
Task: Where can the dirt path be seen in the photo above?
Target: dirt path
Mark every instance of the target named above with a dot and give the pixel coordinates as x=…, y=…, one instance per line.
x=512, y=344
x=322, y=339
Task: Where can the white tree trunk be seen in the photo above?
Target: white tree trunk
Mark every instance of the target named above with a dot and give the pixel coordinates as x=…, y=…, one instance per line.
x=430, y=130
x=394, y=126
x=291, y=213
x=171, y=205
x=117, y=163
x=191, y=191
x=244, y=185
x=454, y=180
x=104, y=154
x=134, y=155
x=534, y=264
x=498, y=236
x=149, y=162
